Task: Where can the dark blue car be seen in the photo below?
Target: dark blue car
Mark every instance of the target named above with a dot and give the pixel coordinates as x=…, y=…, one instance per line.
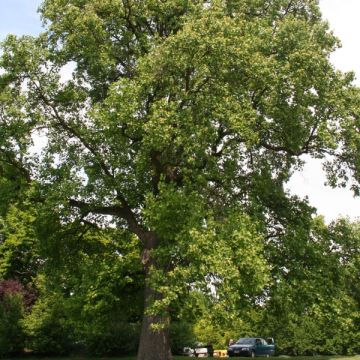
x=252, y=347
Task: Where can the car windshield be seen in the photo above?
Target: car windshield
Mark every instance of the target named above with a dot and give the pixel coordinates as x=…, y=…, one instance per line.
x=245, y=341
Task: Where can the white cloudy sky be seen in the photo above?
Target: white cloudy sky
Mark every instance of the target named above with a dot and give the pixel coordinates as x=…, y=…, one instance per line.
x=343, y=16
x=19, y=17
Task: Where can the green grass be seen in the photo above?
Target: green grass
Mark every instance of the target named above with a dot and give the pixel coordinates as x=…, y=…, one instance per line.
x=318, y=357
x=334, y=357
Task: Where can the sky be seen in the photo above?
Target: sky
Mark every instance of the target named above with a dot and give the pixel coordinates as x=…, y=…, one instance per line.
x=20, y=17
x=343, y=18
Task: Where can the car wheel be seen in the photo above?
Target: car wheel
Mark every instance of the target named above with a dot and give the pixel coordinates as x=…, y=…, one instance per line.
x=253, y=354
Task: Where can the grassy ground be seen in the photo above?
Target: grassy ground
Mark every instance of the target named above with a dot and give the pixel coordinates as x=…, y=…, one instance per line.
x=335, y=357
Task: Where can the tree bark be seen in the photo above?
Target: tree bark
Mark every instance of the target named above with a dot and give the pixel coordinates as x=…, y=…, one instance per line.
x=154, y=343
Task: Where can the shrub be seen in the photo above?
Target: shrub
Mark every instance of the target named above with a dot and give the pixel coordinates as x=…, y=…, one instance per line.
x=111, y=338
x=11, y=315
x=181, y=335
x=47, y=327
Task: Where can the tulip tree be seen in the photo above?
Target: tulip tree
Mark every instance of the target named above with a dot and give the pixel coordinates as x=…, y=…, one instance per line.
x=180, y=121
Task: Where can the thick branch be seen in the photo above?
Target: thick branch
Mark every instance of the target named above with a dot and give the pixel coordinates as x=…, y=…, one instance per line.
x=281, y=149
x=312, y=137
x=123, y=212
x=16, y=164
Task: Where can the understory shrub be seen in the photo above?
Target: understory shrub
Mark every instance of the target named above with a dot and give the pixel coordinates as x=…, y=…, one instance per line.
x=11, y=315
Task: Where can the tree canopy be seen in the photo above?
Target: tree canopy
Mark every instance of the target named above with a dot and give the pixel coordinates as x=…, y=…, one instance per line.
x=180, y=122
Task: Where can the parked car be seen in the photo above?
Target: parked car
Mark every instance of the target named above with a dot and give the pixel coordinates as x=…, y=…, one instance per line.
x=199, y=350
x=252, y=347
x=188, y=351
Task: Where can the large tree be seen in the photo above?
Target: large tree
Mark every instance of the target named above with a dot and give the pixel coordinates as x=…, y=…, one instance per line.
x=181, y=121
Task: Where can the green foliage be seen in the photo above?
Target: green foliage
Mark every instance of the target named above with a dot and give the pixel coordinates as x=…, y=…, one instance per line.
x=90, y=291
x=48, y=327
x=209, y=332
x=180, y=125
x=311, y=309
x=11, y=314
x=181, y=335
x=82, y=323
x=111, y=336
x=18, y=245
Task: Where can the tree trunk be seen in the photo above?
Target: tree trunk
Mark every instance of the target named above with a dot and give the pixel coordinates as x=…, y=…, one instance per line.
x=154, y=343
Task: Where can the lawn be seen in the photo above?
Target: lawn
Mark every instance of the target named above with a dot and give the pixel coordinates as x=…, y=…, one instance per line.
x=337, y=357
x=334, y=357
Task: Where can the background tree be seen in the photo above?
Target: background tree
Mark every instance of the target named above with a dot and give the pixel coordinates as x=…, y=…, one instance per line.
x=310, y=307
x=181, y=122
x=89, y=290
x=19, y=251
x=11, y=314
